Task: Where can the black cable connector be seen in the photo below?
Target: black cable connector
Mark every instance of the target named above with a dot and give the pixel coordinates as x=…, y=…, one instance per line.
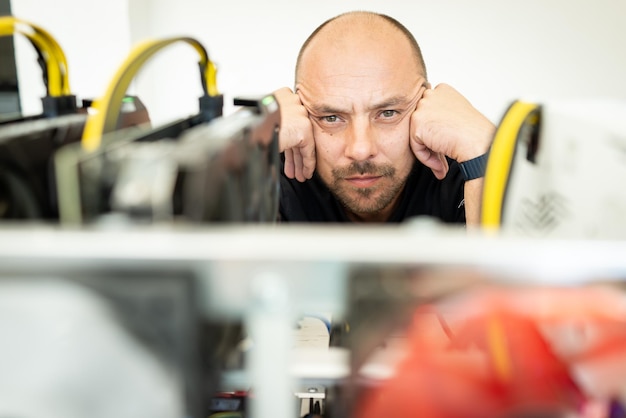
x=211, y=107
x=58, y=106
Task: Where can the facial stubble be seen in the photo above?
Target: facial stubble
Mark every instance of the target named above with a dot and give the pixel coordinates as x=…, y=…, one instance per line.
x=364, y=200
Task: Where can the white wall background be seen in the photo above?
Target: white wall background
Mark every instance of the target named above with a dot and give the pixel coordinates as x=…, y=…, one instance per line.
x=494, y=51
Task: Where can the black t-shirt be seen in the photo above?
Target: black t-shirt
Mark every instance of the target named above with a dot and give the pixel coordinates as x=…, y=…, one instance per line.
x=423, y=195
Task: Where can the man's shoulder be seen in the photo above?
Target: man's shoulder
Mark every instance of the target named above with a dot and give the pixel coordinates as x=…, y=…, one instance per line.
x=425, y=195
x=308, y=201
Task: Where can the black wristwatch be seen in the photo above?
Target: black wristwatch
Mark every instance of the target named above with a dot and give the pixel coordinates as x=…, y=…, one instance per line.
x=474, y=168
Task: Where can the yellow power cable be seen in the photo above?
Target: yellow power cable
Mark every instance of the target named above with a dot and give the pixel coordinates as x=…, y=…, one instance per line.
x=498, y=348
x=500, y=162
x=60, y=57
x=55, y=59
x=107, y=108
x=211, y=79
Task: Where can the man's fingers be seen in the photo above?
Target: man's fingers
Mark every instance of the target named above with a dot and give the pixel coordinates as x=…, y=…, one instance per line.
x=295, y=136
x=436, y=161
x=308, y=161
x=290, y=170
x=444, y=166
x=297, y=162
x=304, y=162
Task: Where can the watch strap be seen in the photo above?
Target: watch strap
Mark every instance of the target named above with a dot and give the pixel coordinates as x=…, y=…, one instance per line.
x=474, y=168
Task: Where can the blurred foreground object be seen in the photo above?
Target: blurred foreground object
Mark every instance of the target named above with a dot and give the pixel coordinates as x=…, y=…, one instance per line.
x=65, y=353
x=552, y=169
x=509, y=352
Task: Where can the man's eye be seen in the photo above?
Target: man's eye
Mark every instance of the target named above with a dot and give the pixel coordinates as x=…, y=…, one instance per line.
x=388, y=113
x=330, y=119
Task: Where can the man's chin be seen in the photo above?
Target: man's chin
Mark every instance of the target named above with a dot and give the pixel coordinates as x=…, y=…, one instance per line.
x=360, y=203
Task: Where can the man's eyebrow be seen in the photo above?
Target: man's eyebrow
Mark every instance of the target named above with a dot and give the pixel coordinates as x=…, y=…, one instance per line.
x=326, y=109
x=390, y=103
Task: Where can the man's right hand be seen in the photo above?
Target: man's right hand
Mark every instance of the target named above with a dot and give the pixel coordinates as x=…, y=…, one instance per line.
x=295, y=136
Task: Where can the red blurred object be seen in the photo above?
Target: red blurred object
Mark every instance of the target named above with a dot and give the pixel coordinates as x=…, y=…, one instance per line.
x=495, y=364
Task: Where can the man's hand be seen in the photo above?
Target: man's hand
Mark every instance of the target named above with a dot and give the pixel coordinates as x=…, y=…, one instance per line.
x=295, y=137
x=446, y=124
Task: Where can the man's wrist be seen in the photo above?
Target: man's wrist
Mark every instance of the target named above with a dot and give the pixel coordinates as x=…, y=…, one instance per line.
x=474, y=168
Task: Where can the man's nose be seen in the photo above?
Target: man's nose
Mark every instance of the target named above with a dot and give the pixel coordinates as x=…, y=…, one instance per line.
x=361, y=141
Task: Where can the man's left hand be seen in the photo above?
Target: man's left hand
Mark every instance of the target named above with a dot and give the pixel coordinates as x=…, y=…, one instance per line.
x=445, y=123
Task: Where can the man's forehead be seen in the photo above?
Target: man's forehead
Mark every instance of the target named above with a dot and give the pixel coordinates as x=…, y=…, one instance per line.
x=378, y=63
x=350, y=102
x=370, y=77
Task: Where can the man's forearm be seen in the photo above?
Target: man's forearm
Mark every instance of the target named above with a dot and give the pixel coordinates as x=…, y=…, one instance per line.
x=473, y=195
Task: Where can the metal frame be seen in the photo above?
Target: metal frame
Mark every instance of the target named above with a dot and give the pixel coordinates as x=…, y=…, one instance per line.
x=267, y=275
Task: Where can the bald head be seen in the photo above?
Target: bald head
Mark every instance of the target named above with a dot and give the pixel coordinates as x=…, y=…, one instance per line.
x=354, y=28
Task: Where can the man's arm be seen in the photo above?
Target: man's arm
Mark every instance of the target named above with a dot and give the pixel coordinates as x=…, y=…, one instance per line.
x=446, y=124
x=473, y=195
x=295, y=137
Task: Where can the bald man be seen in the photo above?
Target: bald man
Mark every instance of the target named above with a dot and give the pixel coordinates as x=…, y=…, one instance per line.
x=364, y=137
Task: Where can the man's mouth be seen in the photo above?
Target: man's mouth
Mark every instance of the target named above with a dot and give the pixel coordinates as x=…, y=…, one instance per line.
x=363, y=174
x=363, y=181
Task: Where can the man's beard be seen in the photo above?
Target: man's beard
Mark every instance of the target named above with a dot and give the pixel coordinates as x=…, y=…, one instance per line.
x=366, y=200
